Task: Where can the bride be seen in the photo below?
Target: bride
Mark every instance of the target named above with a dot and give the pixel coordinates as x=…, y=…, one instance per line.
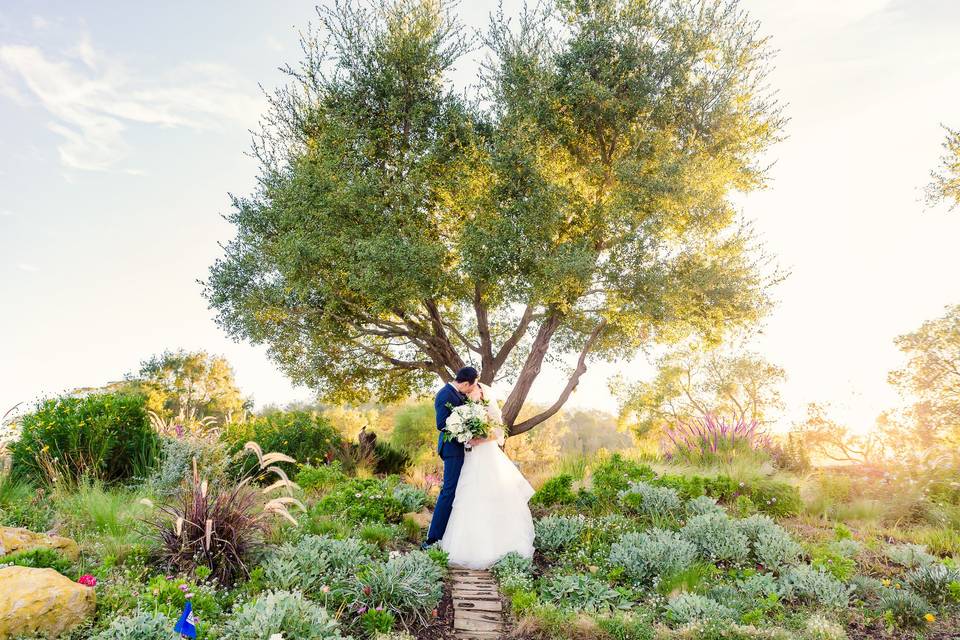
x=490, y=517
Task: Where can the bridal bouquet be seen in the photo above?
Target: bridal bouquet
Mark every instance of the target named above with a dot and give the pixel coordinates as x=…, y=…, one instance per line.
x=468, y=421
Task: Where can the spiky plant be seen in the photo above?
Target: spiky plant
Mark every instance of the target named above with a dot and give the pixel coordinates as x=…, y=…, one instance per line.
x=221, y=526
x=712, y=439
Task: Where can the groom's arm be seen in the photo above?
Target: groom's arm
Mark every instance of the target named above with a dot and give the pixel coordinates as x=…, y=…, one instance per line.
x=442, y=410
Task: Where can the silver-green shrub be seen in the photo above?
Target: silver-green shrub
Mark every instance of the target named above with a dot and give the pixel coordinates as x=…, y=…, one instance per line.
x=807, y=585
x=410, y=498
x=848, y=547
x=176, y=463
x=909, y=555
x=647, y=555
x=701, y=505
x=759, y=586
x=553, y=533
x=933, y=582
x=315, y=561
x=145, y=626
x=776, y=549
x=581, y=592
x=690, y=607
x=716, y=538
x=281, y=612
x=819, y=627
x=514, y=571
x=657, y=503
x=407, y=585
x=865, y=586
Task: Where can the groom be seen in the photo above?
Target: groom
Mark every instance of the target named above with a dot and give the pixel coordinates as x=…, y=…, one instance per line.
x=451, y=452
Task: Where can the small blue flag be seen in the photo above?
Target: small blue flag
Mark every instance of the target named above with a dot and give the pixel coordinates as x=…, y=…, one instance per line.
x=187, y=624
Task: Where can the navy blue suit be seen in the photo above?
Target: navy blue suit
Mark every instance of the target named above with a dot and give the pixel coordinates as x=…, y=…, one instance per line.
x=452, y=455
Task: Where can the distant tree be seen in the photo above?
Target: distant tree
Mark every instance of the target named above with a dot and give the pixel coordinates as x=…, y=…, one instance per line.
x=580, y=207
x=189, y=386
x=828, y=439
x=945, y=180
x=930, y=380
x=693, y=382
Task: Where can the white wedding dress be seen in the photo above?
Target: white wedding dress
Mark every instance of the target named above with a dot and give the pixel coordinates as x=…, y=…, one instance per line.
x=490, y=517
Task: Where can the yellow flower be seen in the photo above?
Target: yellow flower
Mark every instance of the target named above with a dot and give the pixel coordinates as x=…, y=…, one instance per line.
x=930, y=617
x=886, y=582
x=896, y=585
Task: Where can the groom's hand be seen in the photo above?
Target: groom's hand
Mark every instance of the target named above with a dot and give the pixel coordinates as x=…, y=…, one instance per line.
x=476, y=441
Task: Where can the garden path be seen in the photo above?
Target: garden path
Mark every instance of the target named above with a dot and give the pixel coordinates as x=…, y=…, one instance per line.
x=477, y=608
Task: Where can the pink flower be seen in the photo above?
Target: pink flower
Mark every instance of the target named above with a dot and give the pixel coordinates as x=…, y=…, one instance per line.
x=325, y=589
x=87, y=580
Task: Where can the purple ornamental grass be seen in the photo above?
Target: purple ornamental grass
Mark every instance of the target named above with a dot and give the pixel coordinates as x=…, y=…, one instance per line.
x=711, y=436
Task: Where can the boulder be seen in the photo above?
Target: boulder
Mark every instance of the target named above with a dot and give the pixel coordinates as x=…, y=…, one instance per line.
x=13, y=539
x=422, y=518
x=41, y=601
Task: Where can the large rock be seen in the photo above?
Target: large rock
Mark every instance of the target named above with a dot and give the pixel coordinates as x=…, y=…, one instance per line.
x=41, y=601
x=422, y=518
x=14, y=539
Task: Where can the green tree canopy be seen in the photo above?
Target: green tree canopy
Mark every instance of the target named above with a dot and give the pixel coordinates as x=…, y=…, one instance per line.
x=931, y=377
x=693, y=382
x=577, y=206
x=190, y=386
x=945, y=180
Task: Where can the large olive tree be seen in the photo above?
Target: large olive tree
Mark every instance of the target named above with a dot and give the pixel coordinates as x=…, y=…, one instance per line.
x=575, y=206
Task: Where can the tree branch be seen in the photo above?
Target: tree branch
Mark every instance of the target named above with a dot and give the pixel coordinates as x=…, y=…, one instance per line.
x=530, y=423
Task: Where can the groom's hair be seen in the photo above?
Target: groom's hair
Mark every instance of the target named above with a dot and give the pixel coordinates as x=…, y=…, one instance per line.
x=467, y=374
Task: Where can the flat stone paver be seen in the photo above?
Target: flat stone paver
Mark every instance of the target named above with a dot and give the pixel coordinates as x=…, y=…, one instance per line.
x=477, y=608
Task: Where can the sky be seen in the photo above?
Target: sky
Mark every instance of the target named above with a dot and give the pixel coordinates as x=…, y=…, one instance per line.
x=124, y=127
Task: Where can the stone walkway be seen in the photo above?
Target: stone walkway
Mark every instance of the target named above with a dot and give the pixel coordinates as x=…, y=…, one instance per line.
x=477, y=609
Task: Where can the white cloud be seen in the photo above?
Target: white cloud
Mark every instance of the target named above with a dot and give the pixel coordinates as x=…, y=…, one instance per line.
x=23, y=266
x=93, y=103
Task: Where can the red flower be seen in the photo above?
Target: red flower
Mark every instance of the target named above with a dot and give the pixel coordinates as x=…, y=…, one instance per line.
x=436, y=613
x=87, y=580
x=367, y=590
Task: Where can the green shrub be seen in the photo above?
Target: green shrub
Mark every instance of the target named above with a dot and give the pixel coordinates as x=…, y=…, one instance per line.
x=779, y=499
x=909, y=555
x=360, y=500
x=281, y=612
x=658, y=504
x=716, y=538
x=933, y=582
x=690, y=607
x=307, y=437
x=743, y=506
x=21, y=505
x=379, y=533
x=106, y=437
x=522, y=600
x=627, y=626
x=759, y=586
x=806, y=585
x=701, y=505
x=687, y=487
x=650, y=554
x=904, y=609
x=581, y=592
x=556, y=490
x=39, y=559
x=377, y=621
x=320, y=478
x=314, y=562
x=553, y=533
x=615, y=474
x=832, y=559
x=415, y=430
x=168, y=597
x=440, y=557
x=408, y=585
x=145, y=626
x=410, y=498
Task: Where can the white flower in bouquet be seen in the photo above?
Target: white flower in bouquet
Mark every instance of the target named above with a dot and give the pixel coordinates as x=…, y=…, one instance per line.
x=468, y=421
